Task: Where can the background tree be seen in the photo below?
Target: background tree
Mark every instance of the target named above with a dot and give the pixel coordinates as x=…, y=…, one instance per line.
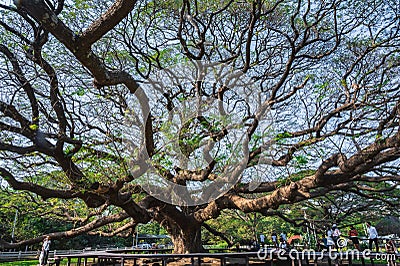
x=35, y=217
x=325, y=73
x=234, y=227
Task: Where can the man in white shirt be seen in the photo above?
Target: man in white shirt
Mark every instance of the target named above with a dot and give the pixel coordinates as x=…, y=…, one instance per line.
x=329, y=239
x=335, y=235
x=44, y=254
x=372, y=236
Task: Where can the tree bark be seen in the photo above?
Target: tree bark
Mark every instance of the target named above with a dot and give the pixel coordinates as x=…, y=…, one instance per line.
x=181, y=225
x=187, y=239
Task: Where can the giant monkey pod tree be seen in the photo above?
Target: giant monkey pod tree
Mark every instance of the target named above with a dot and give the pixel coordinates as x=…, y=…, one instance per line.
x=173, y=111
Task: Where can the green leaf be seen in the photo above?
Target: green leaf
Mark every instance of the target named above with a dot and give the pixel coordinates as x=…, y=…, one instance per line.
x=301, y=159
x=80, y=91
x=33, y=127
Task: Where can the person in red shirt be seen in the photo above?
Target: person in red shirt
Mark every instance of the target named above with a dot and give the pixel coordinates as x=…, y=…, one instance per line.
x=353, y=235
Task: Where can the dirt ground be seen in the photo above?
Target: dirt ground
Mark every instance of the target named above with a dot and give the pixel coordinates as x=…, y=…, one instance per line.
x=217, y=262
x=188, y=262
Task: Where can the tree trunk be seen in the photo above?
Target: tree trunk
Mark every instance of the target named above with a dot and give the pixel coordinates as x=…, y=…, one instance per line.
x=184, y=229
x=186, y=238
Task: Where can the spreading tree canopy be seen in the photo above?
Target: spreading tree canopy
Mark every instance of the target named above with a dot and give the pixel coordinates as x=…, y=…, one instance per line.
x=173, y=111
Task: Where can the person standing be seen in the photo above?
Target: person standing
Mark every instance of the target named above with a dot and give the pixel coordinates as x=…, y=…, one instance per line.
x=391, y=250
x=283, y=244
x=254, y=245
x=329, y=239
x=353, y=235
x=335, y=235
x=372, y=236
x=283, y=236
x=319, y=245
x=262, y=240
x=274, y=238
x=44, y=253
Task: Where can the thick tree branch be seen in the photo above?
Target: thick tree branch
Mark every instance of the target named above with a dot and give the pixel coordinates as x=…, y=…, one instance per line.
x=101, y=221
x=117, y=231
x=314, y=185
x=107, y=21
